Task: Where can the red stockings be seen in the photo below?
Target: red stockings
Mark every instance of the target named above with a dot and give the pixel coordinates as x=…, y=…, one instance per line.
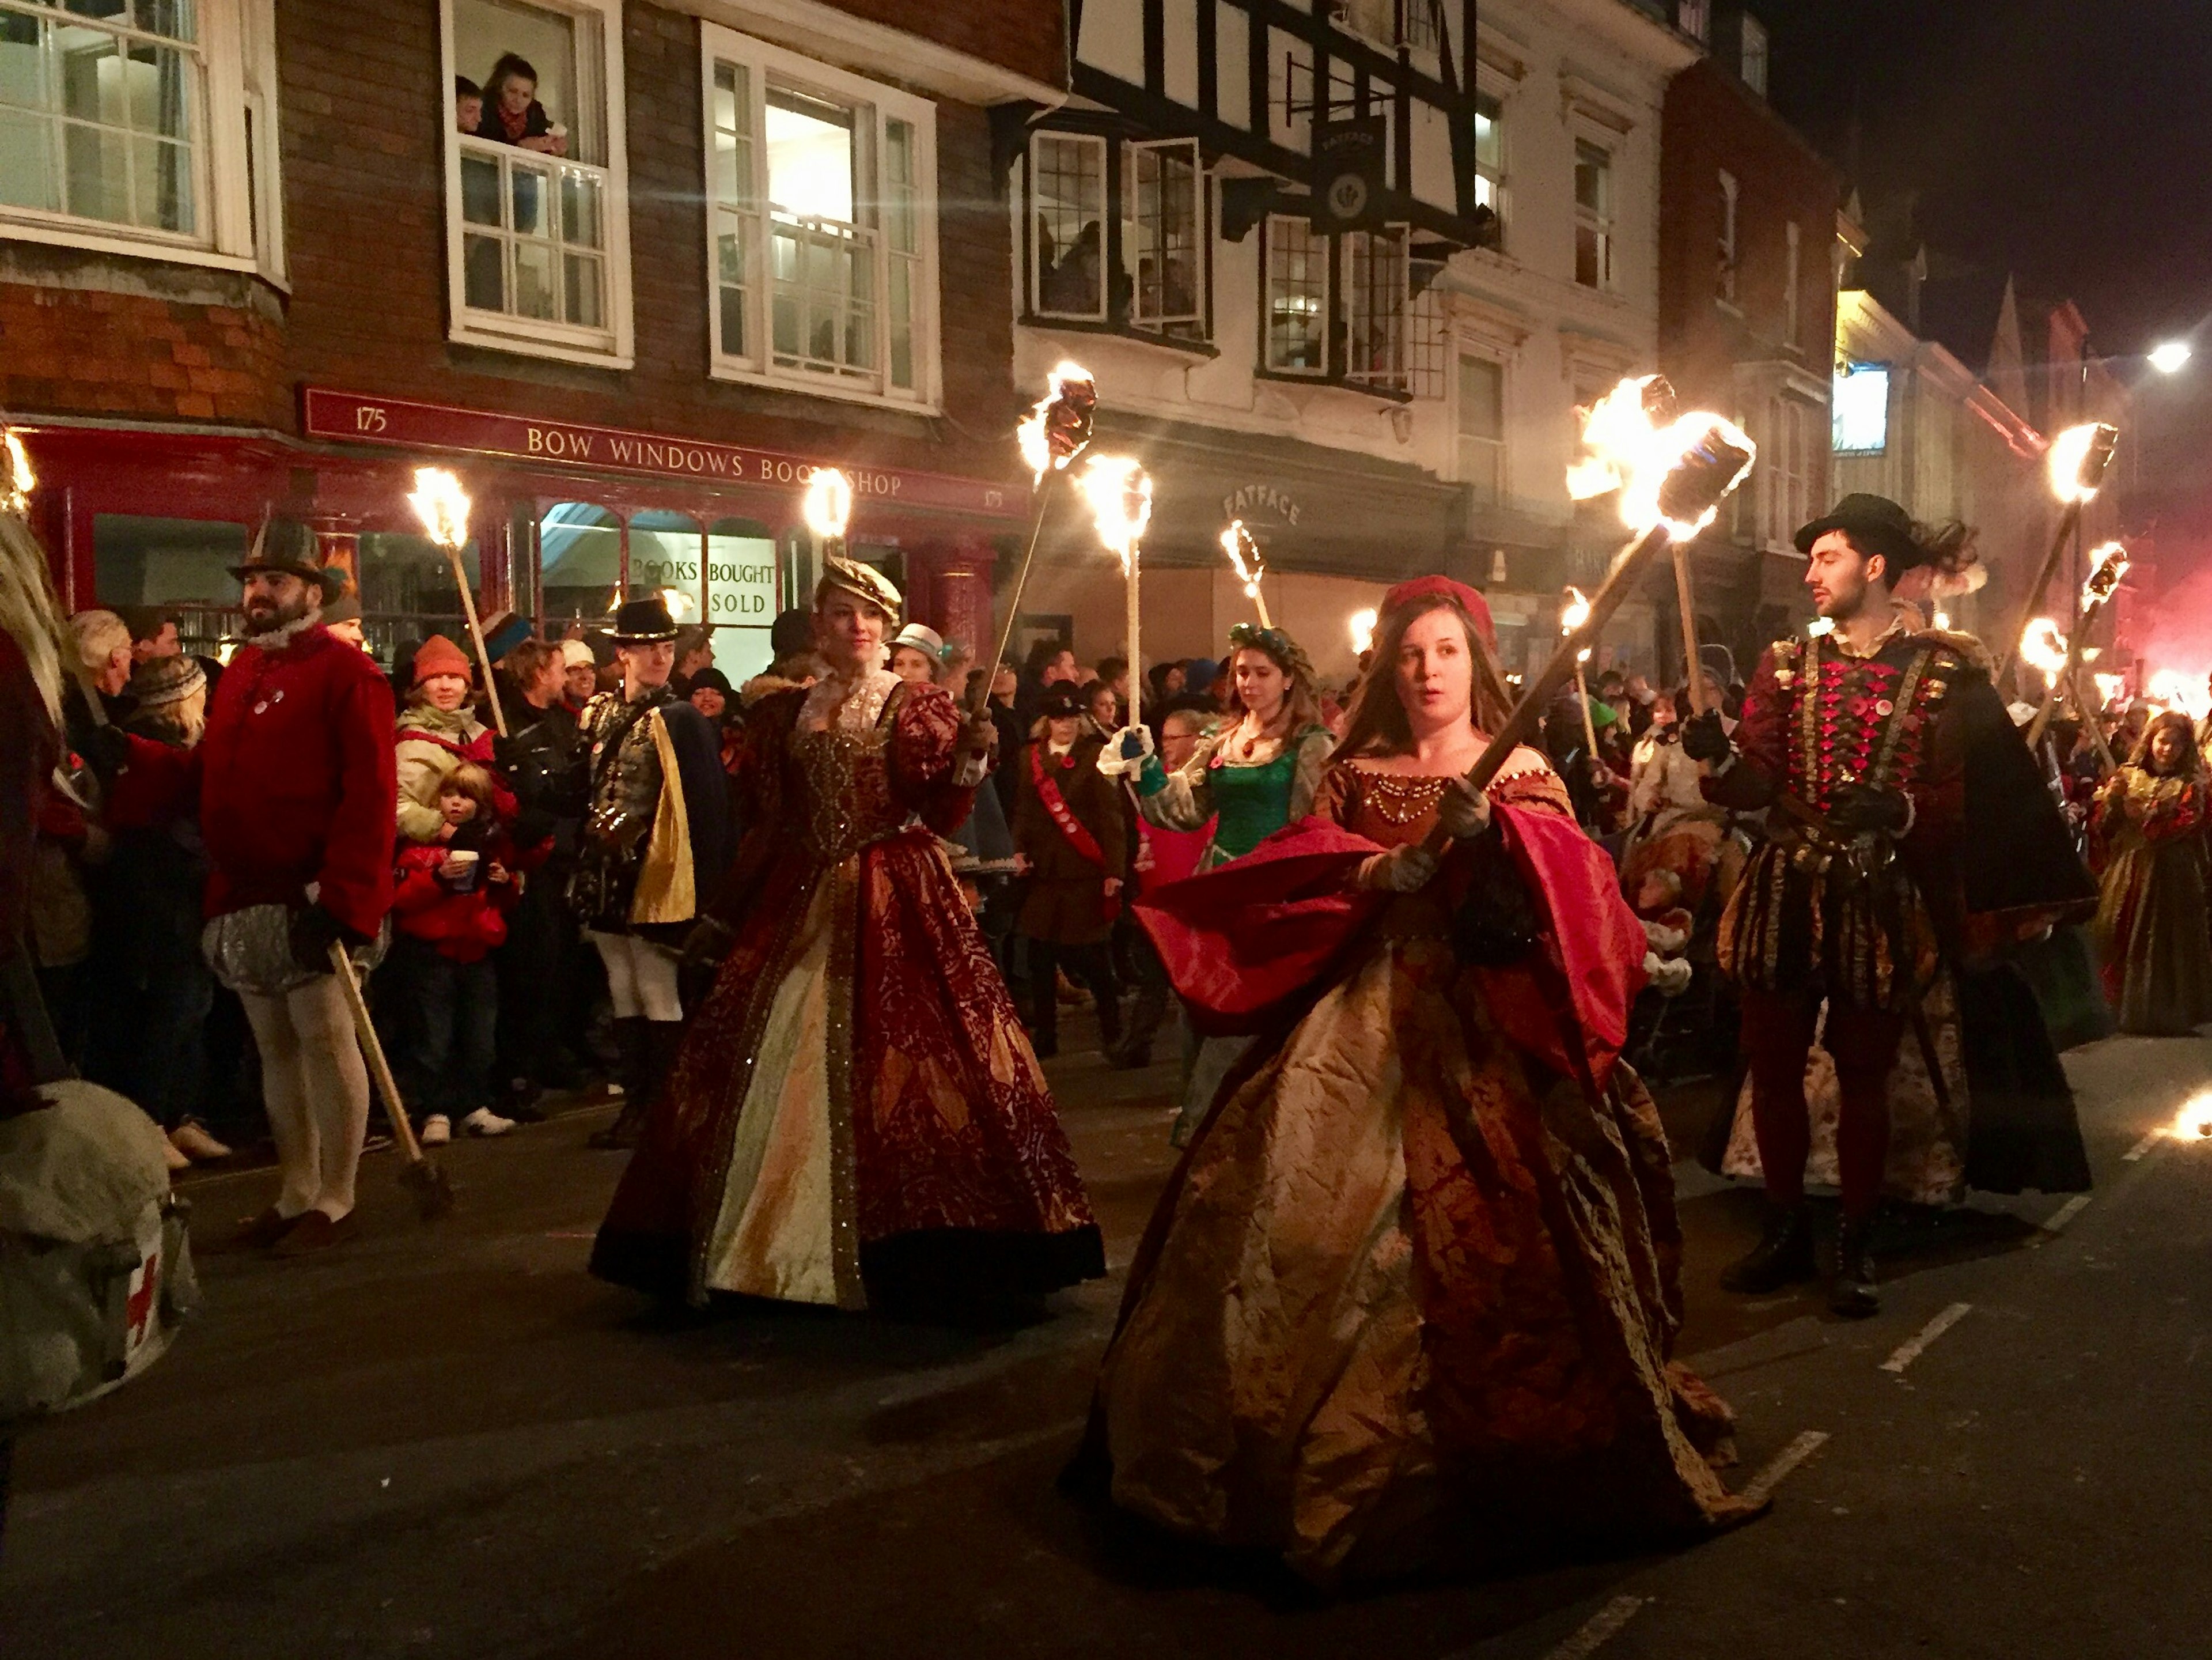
x=1777, y=1032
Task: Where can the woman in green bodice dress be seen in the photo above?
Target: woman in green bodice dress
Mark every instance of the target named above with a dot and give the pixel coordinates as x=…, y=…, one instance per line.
x=1254, y=774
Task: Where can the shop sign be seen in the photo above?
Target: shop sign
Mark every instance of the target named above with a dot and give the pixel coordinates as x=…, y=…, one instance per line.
x=1259, y=502
x=351, y=417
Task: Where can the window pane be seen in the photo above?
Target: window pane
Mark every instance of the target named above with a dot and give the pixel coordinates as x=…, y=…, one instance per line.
x=485, y=30
x=99, y=172
x=534, y=281
x=1164, y=239
x=1375, y=334
x=26, y=162
x=160, y=91
x=730, y=108
x=901, y=300
x=162, y=177
x=1489, y=144
x=1589, y=261
x=157, y=561
x=580, y=561
x=528, y=194
x=898, y=186
x=174, y=18
x=1593, y=178
x=665, y=558
x=583, y=272
x=23, y=79
x=90, y=64
x=483, y=274
x=1481, y=398
x=1067, y=200
x=1297, y=297
x=580, y=210
x=732, y=268
x=810, y=156
x=479, y=188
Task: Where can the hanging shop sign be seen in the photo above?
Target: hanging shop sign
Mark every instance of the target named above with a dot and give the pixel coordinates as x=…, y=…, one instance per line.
x=403, y=423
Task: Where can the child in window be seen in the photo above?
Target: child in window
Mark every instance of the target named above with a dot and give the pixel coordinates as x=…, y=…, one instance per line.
x=512, y=113
x=468, y=105
x=449, y=914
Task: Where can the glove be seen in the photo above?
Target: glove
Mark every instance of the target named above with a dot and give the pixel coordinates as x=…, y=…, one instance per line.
x=1402, y=870
x=1126, y=752
x=1703, y=738
x=1464, y=811
x=1858, y=809
x=313, y=931
x=707, y=945
x=979, y=734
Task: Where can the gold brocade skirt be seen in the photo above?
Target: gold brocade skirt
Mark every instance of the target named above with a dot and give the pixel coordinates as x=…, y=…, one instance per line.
x=1408, y=1303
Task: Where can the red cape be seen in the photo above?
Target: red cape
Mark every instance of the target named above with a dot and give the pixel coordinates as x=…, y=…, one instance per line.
x=1246, y=941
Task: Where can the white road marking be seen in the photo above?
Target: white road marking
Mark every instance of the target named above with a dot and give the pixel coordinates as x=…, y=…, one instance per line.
x=2055, y=1223
x=2142, y=1146
x=1598, y=1629
x=1807, y=1444
x=1909, y=1352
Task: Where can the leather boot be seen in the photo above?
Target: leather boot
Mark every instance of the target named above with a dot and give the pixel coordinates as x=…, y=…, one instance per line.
x=1146, y=1011
x=1851, y=1293
x=1783, y=1256
x=1109, y=1023
x=663, y=1040
x=631, y=1038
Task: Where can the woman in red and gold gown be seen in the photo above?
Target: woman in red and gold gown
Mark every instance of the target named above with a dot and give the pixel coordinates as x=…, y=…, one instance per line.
x=855, y=1117
x=1410, y=1299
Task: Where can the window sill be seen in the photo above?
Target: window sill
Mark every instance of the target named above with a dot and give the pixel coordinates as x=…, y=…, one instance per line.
x=1123, y=332
x=1380, y=394
x=134, y=247
x=561, y=349
x=743, y=374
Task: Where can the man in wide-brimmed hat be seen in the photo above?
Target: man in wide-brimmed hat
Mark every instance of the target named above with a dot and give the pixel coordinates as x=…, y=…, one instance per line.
x=297, y=794
x=656, y=839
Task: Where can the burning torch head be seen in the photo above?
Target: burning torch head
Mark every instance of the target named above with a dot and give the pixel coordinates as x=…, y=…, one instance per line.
x=2078, y=459
x=1120, y=493
x=2110, y=570
x=1244, y=555
x=1059, y=427
x=17, y=481
x=1671, y=470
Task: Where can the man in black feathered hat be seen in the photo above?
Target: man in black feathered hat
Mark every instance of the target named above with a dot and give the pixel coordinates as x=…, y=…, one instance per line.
x=655, y=843
x=1879, y=747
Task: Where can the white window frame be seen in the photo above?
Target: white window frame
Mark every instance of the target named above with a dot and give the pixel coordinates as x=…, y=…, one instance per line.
x=1791, y=422
x=1492, y=489
x=1724, y=285
x=1600, y=220
x=1268, y=234
x=613, y=346
x=1392, y=374
x=763, y=63
x=1098, y=146
x=1753, y=55
x=1695, y=19
x=233, y=34
x=1493, y=173
x=1195, y=318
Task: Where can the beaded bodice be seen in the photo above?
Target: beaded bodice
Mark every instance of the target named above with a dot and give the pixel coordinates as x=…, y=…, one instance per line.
x=843, y=769
x=1860, y=719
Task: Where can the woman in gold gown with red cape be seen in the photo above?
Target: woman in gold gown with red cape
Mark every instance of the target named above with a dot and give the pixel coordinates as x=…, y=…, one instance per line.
x=1410, y=1299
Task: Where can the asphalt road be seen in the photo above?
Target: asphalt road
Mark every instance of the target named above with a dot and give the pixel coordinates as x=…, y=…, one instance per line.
x=447, y=1440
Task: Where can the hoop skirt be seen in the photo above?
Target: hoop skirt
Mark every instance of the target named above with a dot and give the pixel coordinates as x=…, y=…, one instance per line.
x=856, y=1115
x=1411, y=1296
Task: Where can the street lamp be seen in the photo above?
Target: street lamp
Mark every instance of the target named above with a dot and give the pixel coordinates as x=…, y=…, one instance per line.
x=2171, y=357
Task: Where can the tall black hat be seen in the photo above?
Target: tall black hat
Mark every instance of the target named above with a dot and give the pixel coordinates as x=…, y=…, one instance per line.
x=1875, y=525
x=643, y=621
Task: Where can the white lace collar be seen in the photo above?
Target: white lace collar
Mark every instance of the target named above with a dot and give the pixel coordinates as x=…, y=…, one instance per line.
x=833, y=703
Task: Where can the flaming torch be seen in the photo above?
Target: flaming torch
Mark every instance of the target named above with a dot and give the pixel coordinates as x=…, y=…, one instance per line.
x=17, y=481
x=2105, y=578
x=1237, y=542
x=443, y=506
x=1673, y=478
x=1120, y=493
x=827, y=508
x=1572, y=616
x=1057, y=431
x=2078, y=459
x=1362, y=630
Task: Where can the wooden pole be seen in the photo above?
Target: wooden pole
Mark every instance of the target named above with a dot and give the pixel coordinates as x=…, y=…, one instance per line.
x=1685, y=601
x=476, y=634
x=1136, y=656
x=2067, y=520
x=1039, y=510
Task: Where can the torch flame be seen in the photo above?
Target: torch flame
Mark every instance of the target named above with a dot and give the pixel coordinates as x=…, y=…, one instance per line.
x=2043, y=645
x=1572, y=616
x=1625, y=448
x=2109, y=686
x=1362, y=630
x=2106, y=575
x=1120, y=493
x=2177, y=689
x=827, y=506
x=1234, y=542
x=1070, y=392
x=679, y=602
x=442, y=505
x=16, y=487
x=2078, y=459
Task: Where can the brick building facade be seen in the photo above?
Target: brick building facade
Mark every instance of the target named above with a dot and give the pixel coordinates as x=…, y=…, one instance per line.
x=1748, y=277
x=774, y=238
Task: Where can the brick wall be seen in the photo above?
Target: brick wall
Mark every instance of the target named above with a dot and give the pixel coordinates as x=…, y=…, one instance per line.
x=90, y=337
x=1026, y=36
x=364, y=126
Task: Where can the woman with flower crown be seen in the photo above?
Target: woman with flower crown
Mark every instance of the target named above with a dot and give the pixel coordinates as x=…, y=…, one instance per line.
x=1410, y=1299
x=855, y=1117
x=1248, y=778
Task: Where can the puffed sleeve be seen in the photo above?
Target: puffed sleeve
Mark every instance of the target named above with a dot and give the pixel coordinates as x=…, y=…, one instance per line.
x=925, y=738
x=1313, y=748
x=1182, y=800
x=1336, y=798
x=1762, y=746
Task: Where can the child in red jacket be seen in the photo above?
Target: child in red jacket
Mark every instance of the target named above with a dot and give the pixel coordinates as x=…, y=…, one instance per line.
x=449, y=914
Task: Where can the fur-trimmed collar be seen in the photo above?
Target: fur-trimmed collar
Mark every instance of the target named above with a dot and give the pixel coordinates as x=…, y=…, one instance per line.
x=279, y=638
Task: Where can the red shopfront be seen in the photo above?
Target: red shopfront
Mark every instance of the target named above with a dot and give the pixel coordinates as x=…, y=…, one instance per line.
x=567, y=518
